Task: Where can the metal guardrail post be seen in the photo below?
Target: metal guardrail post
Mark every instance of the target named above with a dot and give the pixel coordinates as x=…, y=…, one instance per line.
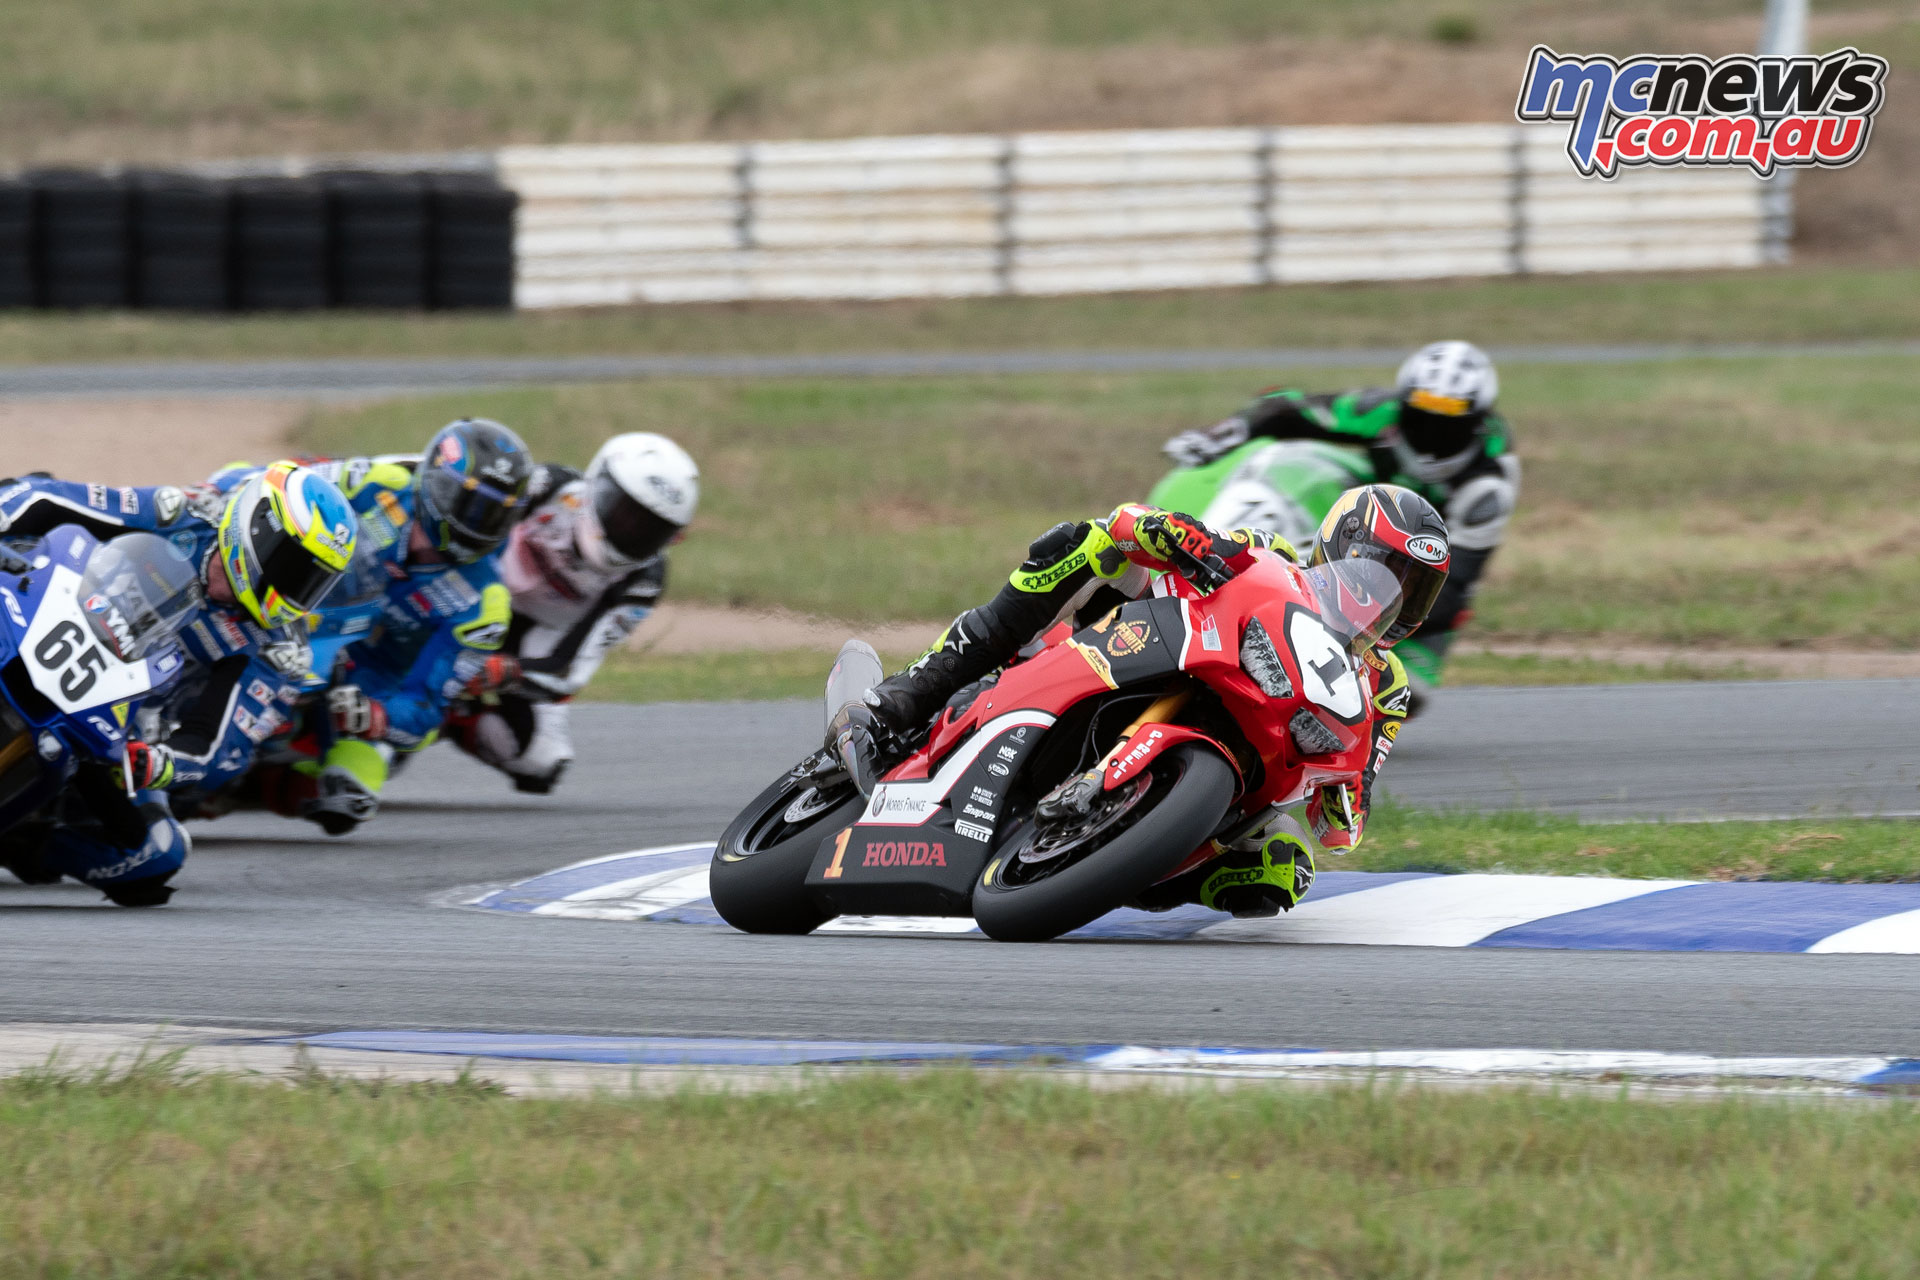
x=1266, y=166
x=743, y=195
x=1517, y=202
x=1776, y=218
x=1784, y=34
x=1005, y=247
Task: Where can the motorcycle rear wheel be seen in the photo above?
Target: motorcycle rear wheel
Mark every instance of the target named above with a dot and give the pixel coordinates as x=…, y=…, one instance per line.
x=758, y=880
x=1192, y=787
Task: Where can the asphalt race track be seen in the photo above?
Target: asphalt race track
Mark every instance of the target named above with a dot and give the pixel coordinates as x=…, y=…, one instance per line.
x=275, y=927
x=362, y=376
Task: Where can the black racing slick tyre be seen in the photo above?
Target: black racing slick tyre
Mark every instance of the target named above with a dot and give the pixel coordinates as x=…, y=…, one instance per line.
x=758, y=880
x=1186, y=794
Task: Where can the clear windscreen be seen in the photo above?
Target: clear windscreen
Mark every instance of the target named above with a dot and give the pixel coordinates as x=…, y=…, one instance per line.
x=1358, y=599
x=137, y=591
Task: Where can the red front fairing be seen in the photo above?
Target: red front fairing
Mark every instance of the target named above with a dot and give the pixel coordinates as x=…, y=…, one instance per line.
x=930, y=826
x=1205, y=643
x=1275, y=592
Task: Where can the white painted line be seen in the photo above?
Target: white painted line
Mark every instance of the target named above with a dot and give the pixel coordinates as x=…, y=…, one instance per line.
x=1889, y=935
x=1437, y=911
x=648, y=852
x=1664, y=1066
x=633, y=899
x=900, y=925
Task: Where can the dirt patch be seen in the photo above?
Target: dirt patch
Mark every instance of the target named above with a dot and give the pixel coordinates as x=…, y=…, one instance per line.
x=141, y=441
x=1866, y=212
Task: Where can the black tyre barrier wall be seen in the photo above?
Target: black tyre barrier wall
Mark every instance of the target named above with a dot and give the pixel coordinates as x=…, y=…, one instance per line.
x=472, y=241
x=83, y=241
x=182, y=242
x=280, y=245
x=178, y=241
x=16, y=243
x=379, y=225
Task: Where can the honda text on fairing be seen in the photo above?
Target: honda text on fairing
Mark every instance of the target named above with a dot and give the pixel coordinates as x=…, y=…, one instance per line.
x=1157, y=737
x=87, y=638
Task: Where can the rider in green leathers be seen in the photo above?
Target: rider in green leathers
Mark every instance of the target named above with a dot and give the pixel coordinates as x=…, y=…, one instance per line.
x=1436, y=431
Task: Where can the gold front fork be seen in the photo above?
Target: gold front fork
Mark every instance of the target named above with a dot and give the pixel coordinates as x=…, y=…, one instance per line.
x=1165, y=707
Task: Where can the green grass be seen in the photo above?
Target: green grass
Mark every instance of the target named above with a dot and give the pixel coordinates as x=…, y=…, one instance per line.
x=638, y=675
x=1747, y=502
x=947, y=1174
x=1796, y=304
x=1466, y=669
x=192, y=75
x=1847, y=850
x=635, y=675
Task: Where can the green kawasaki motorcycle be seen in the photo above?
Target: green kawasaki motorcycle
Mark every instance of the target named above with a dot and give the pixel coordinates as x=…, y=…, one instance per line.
x=1285, y=487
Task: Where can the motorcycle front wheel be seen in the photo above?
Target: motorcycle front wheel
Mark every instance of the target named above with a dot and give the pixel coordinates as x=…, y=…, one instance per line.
x=758, y=880
x=1042, y=883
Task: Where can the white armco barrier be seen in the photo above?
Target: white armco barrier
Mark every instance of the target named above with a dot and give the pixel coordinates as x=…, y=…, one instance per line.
x=1089, y=212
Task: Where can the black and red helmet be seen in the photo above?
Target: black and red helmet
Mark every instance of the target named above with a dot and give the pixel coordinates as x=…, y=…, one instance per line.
x=1399, y=529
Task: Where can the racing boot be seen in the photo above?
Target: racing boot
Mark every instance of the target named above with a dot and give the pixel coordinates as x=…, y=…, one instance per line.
x=871, y=736
x=342, y=802
x=150, y=891
x=1059, y=563
x=128, y=849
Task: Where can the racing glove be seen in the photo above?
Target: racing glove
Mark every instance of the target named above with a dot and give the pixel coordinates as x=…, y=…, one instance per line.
x=150, y=766
x=1261, y=540
x=1197, y=448
x=1336, y=812
x=498, y=672
x=355, y=715
x=1189, y=546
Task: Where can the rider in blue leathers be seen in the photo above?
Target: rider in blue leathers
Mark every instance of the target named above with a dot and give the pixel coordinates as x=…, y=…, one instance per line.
x=269, y=552
x=443, y=614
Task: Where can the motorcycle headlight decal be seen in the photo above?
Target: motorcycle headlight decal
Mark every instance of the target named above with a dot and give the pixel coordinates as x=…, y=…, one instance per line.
x=1260, y=660
x=1310, y=737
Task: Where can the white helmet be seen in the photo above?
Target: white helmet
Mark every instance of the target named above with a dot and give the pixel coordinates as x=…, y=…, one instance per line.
x=641, y=491
x=1446, y=389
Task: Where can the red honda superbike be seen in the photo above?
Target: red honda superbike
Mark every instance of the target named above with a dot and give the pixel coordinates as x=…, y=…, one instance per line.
x=1155, y=737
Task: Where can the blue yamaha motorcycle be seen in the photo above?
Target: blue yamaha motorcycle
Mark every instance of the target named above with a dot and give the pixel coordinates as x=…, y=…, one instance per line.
x=87, y=636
